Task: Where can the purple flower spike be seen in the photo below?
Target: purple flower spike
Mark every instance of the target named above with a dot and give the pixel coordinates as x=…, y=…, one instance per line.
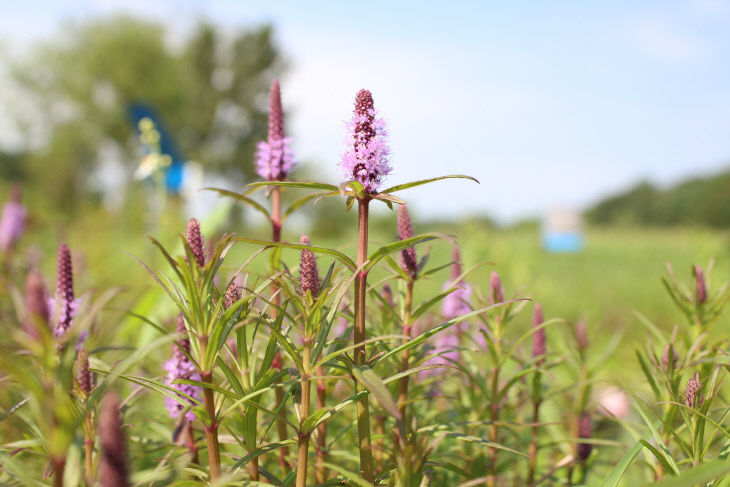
x=387, y=293
x=692, y=397
x=496, y=292
x=408, y=259
x=195, y=241
x=308, y=274
x=180, y=367
x=581, y=334
x=274, y=157
x=444, y=353
x=233, y=294
x=456, y=303
x=366, y=157
x=538, y=336
x=113, y=470
x=63, y=306
x=12, y=222
x=584, y=431
x=36, y=303
x=701, y=293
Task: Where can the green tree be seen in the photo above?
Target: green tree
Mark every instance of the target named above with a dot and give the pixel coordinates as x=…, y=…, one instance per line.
x=209, y=92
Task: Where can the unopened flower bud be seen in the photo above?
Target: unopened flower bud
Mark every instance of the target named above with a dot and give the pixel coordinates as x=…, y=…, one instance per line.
x=36, y=303
x=669, y=357
x=538, y=336
x=83, y=375
x=693, y=397
x=233, y=294
x=387, y=294
x=584, y=432
x=64, y=305
x=308, y=274
x=409, y=261
x=701, y=292
x=195, y=241
x=113, y=463
x=581, y=335
x=496, y=292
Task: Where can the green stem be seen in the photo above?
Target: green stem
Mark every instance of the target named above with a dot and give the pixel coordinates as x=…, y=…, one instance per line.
x=363, y=410
x=494, y=408
x=532, y=453
x=211, y=429
x=276, y=301
x=303, y=436
x=405, y=355
x=321, y=470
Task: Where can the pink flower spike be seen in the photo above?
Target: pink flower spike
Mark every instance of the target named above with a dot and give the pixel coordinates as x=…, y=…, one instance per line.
x=63, y=307
x=274, y=157
x=496, y=292
x=195, y=241
x=12, y=221
x=538, y=336
x=308, y=274
x=180, y=367
x=366, y=157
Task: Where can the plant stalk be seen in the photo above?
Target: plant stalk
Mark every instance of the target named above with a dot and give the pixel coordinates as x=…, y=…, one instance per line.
x=405, y=355
x=89, y=450
x=303, y=436
x=211, y=429
x=59, y=466
x=532, y=452
x=321, y=471
x=494, y=409
x=363, y=410
x=276, y=300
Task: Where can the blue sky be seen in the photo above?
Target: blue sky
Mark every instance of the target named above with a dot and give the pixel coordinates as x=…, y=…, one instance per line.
x=546, y=103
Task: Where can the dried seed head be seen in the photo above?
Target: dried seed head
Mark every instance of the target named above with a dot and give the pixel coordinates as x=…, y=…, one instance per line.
x=693, y=398
x=195, y=241
x=233, y=294
x=274, y=157
x=83, y=375
x=538, y=336
x=308, y=274
x=496, y=292
x=584, y=431
x=113, y=463
x=366, y=157
x=36, y=303
x=408, y=259
x=581, y=335
x=701, y=292
x=64, y=304
x=12, y=221
x=669, y=357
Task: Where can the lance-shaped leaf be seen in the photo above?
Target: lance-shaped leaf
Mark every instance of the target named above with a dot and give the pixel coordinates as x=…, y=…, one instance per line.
x=413, y=184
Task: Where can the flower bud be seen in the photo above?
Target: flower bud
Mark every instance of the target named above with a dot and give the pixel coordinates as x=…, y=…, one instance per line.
x=83, y=375
x=538, y=336
x=496, y=292
x=64, y=305
x=701, y=291
x=581, y=335
x=113, y=463
x=195, y=241
x=584, y=450
x=308, y=274
x=409, y=262
x=693, y=397
x=274, y=157
x=36, y=299
x=233, y=294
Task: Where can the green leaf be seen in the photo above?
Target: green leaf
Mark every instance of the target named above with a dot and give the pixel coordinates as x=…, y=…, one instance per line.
x=667, y=462
x=317, y=250
x=426, y=335
x=618, y=470
x=698, y=475
x=295, y=184
x=413, y=184
x=245, y=199
x=372, y=382
x=380, y=253
x=301, y=202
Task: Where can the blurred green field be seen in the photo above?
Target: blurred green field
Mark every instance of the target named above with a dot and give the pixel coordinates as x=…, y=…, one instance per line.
x=617, y=274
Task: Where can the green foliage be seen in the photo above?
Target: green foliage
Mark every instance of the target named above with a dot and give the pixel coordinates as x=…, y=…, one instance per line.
x=699, y=202
x=206, y=91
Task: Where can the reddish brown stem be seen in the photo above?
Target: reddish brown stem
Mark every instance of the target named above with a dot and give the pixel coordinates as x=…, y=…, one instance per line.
x=321, y=471
x=211, y=429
